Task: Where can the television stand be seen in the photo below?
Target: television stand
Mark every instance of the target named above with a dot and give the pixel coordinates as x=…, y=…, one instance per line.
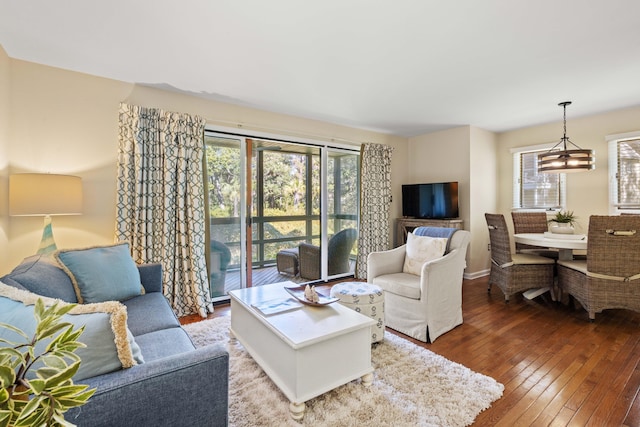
x=406, y=225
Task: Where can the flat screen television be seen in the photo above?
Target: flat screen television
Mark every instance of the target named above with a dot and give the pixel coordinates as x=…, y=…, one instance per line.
x=434, y=200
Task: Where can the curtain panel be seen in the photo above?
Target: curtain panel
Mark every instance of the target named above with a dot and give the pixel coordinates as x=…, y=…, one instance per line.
x=160, y=200
x=375, y=202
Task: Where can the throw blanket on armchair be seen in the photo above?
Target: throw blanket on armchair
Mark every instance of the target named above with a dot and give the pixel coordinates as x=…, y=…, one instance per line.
x=442, y=232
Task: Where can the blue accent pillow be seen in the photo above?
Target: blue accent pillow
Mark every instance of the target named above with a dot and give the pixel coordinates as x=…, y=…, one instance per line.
x=102, y=273
x=110, y=346
x=42, y=275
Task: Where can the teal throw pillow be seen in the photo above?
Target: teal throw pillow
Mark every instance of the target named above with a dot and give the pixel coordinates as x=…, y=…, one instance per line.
x=110, y=346
x=101, y=273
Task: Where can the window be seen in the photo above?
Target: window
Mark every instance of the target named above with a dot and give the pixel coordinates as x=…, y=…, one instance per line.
x=533, y=190
x=624, y=167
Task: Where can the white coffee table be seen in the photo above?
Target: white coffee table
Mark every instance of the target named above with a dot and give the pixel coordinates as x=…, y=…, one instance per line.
x=307, y=351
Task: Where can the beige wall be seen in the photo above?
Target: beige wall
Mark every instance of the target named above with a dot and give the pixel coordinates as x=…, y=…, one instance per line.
x=465, y=154
x=483, y=169
x=441, y=157
x=587, y=192
x=66, y=122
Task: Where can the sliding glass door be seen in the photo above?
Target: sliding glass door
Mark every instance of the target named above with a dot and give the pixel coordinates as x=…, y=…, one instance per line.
x=266, y=200
x=224, y=184
x=341, y=214
x=285, y=205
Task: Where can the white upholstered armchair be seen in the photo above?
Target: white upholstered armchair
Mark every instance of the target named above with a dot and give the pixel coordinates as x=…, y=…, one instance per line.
x=422, y=306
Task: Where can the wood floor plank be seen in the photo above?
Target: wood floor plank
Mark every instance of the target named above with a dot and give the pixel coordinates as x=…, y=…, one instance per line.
x=556, y=394
x=631, y=394
x=561, y=386
x=558, y=368
x=531, y=404
x=546, y=389
x=563, y=418
x=615, y=398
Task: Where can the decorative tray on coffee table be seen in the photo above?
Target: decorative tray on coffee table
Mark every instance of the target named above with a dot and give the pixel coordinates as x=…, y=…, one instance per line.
x=298, y=293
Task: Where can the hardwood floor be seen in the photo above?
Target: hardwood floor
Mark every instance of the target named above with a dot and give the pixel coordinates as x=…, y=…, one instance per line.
x=558, y=369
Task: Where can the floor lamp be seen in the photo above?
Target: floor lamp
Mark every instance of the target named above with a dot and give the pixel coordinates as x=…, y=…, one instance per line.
x=35, y=194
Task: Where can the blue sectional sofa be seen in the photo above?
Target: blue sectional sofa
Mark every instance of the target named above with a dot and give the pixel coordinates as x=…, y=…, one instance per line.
x=177, y=385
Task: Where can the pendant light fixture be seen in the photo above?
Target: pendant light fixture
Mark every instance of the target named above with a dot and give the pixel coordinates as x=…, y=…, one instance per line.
x=564, y=160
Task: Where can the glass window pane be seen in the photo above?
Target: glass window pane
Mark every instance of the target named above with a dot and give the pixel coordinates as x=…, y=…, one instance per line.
x=285, y=229
x=537, y=190
x=343, y=201
x=628, y=173
x=222, y=157
x=284, y=183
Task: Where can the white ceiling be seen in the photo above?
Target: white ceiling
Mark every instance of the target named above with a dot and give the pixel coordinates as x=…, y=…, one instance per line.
x=404, y=67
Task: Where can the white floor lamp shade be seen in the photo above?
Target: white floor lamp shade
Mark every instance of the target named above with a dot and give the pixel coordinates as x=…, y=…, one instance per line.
x=34, y=194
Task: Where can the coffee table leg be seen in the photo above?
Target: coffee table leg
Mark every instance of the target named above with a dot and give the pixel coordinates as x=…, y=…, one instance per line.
x=296, y=410
x=232, y=337
x=367, y=379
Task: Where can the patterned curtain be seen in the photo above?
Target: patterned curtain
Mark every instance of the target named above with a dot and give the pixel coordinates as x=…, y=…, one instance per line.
x=160, y=200
x=375, y=200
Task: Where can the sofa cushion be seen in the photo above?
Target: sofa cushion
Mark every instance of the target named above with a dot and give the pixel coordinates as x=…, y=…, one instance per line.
x=42, y=275
x=101, y=273
x=151, y=277
x=421, y=249
x=110, y=346
x=148, y=313
x=154, y=344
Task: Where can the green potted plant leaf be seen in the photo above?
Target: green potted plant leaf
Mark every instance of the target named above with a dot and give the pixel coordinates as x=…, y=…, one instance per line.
x=36, y=389
x=565, y=221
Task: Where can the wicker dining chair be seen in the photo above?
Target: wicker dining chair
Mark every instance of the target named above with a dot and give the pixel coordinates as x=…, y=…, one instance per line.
x=517, y=272
x=531, y=222
x=610, y=277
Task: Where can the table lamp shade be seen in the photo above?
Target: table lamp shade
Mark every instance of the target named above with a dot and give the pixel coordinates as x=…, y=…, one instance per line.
x=33, y=194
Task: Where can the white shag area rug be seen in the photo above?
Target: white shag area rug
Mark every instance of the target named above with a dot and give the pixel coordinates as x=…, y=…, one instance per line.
x=412, y=386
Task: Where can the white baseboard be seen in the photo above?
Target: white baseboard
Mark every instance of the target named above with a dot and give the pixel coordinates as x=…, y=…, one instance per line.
x=477, y=274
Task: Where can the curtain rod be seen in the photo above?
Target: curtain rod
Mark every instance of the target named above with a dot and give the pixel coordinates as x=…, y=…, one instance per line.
x=248, y=126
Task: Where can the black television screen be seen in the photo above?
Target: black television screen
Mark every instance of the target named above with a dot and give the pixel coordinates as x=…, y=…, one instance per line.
x=435, y=200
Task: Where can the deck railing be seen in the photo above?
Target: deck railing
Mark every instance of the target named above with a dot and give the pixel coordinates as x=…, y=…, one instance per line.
x=268, y=240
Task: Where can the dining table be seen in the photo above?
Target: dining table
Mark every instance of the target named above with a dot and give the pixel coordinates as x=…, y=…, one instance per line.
x=565, y=243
